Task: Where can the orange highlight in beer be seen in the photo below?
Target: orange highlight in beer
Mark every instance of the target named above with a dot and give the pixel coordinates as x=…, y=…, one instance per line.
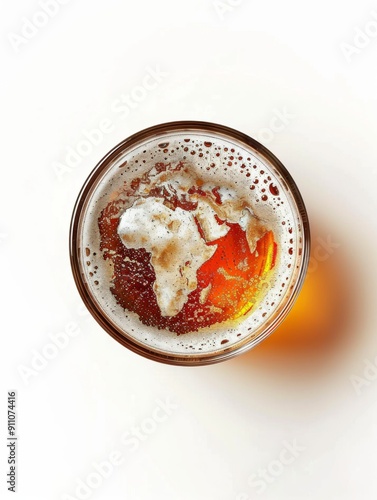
x=230, y=283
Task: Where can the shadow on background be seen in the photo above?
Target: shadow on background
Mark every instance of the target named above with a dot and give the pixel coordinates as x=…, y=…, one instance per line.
x=321, y=324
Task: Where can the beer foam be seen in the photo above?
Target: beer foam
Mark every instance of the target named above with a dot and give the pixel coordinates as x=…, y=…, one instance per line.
x=253, y=193
x=160, y=230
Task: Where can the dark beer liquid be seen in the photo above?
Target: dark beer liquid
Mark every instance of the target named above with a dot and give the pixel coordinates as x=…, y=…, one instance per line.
x=229, y=283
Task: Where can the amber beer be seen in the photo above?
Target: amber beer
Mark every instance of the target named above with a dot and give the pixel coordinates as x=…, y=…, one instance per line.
x=189, y=242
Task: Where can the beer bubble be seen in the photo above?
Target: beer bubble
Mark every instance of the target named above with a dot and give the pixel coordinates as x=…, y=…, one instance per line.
x=115, y=195
x=274, y=190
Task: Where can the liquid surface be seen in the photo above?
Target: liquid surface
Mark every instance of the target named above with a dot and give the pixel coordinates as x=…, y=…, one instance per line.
x=193, y=252
x=190, y=243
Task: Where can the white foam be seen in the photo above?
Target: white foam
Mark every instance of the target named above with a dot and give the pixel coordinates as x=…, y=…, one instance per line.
x=177, y=249
x=278, y=213
x=206, y=217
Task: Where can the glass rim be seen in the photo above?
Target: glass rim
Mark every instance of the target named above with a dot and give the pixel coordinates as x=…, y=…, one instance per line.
x=77, y=269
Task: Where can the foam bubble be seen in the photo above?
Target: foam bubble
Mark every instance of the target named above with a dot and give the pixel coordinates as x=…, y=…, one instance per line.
x=218, y=162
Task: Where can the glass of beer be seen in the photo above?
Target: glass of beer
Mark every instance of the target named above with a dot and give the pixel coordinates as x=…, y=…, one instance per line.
x=189, y=243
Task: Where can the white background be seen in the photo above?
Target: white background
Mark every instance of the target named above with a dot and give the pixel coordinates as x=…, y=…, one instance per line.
x=240, y=66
